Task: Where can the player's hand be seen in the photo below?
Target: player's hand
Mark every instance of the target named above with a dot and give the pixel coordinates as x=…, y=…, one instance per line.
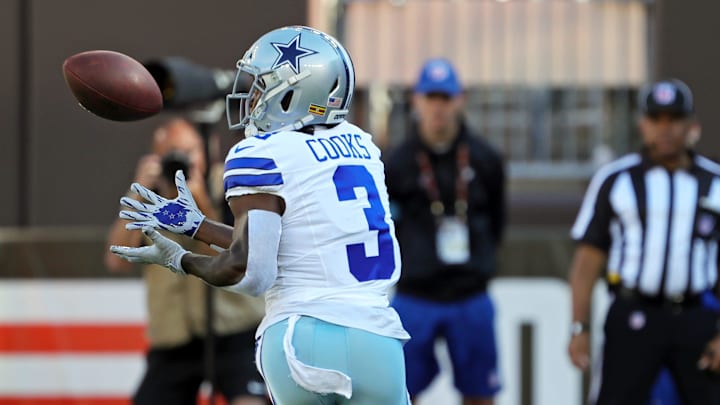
x=163, y=251
x=181, y=215
x=710, y=359
x=579, y=351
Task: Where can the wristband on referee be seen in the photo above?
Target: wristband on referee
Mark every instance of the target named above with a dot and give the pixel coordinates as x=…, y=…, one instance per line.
x=578, y=328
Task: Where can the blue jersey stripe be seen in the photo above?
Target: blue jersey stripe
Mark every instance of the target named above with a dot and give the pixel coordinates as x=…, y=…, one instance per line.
x=253, y=180
x=250, y=163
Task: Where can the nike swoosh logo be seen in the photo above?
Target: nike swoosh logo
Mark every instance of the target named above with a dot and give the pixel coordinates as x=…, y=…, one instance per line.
x=238, y=149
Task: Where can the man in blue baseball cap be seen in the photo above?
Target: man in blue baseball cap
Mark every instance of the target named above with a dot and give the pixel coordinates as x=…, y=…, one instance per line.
x=438, y=101
x=446, y=187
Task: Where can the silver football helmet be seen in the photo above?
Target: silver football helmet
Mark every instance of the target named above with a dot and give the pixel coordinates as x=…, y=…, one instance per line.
x=300, y=77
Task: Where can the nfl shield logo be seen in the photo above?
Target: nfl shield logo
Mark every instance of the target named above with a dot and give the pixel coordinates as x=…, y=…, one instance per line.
x=439, y=73
x=636, y=320
x=705, y=225
x=664, y=93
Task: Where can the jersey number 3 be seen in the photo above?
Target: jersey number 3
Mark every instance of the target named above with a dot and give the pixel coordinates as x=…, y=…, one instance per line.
x=365, y=268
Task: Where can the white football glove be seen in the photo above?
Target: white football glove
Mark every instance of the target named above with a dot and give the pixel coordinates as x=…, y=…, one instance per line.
x=181, y=215
x=163, y=251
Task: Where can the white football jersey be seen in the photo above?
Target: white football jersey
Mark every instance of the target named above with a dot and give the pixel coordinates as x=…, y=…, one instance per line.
x=338, y=255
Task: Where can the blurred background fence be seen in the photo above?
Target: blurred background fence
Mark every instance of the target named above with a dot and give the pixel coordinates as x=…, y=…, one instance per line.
x=551, y=83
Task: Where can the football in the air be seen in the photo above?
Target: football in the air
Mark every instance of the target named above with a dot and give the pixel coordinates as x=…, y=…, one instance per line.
x=112, y=85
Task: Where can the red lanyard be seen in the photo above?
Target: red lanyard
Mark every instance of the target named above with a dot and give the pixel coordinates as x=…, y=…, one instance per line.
x=463, y=176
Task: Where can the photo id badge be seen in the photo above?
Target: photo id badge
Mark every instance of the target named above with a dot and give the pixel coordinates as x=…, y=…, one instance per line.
x=452, y=241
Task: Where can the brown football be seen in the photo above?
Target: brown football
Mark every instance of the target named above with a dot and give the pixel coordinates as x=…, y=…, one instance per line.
x=112, y=85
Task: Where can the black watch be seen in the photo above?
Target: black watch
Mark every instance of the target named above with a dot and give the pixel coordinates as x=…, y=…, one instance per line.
x=578, y=328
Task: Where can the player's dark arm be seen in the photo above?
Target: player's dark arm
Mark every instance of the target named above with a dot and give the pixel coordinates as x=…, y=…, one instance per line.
x=210, y=231
x=219, y=234
x=228, y=268
x=215, y=233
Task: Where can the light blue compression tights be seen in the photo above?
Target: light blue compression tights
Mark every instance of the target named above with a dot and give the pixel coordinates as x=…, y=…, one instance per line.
x=374, y=363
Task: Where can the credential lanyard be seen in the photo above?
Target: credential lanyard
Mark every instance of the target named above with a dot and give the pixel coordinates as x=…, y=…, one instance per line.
x=462, y=178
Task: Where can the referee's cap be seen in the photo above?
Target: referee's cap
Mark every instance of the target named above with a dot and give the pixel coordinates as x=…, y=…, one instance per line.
x=671, y=96
x=438, y=76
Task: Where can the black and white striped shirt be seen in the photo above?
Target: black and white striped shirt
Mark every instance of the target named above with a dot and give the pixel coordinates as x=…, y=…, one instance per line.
x=646, y=218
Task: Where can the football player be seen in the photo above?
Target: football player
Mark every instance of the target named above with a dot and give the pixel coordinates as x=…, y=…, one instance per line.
x=312, y=227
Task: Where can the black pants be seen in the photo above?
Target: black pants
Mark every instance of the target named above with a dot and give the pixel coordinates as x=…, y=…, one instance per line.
x=641, y=337
x=173, y=376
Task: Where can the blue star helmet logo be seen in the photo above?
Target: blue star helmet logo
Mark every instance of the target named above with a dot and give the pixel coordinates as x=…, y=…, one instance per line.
x=291, y=53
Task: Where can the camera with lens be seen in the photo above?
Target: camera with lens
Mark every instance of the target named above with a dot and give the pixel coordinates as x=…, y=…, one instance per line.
x=174, y=161
x=185, y=84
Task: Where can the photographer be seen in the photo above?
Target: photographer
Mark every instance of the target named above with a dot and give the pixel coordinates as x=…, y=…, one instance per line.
x=176, y=305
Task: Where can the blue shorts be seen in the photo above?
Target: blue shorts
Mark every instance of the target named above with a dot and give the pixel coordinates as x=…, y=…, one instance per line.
x=374, y=363
x=468, y=328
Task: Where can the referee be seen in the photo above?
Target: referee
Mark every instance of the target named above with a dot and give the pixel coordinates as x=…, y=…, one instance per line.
x=640, y=218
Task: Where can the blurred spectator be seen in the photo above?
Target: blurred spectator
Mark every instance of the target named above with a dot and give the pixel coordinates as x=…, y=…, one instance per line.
x=447, y=195
x=177, y=305
x=641, y=220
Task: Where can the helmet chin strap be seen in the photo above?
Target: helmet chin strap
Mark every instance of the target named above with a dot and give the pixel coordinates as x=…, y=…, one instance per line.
x=302, y=122
x=291, y=81
x=252, y=130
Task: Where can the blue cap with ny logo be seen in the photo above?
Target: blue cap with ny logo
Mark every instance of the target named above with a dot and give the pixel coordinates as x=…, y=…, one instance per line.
x=438, y=76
